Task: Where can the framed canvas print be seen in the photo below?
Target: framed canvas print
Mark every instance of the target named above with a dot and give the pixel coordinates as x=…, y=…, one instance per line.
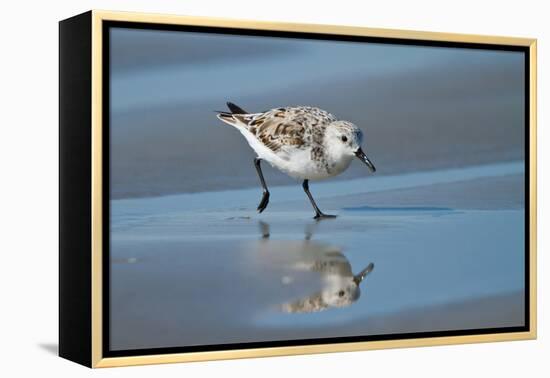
x=234, y=189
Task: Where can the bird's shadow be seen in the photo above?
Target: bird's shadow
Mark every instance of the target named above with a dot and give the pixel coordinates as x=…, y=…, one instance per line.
x=51, y=348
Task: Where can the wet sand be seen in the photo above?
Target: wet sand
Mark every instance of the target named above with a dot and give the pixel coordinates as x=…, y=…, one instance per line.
x=433, y=241
x=445, y=108
x=203, y=268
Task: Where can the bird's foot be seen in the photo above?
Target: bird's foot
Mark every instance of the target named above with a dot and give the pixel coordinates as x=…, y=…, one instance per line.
x=263, y=202
x=320, y=216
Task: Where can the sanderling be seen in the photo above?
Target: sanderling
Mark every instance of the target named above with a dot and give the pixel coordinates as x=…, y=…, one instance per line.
x=304, y=142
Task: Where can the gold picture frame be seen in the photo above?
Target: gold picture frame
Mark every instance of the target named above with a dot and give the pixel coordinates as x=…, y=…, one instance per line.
x=90, y=329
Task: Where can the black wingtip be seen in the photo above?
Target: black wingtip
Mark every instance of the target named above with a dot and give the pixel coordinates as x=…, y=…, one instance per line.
x=225, y=116
x=236, y=109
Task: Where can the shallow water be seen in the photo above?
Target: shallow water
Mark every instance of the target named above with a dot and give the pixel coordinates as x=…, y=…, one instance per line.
x=205, y=271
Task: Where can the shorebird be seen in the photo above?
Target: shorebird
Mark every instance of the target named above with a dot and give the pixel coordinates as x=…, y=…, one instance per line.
x=304, y=142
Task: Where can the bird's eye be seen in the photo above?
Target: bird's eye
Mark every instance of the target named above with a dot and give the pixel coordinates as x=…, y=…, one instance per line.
x=344, y=138
x=341, y=293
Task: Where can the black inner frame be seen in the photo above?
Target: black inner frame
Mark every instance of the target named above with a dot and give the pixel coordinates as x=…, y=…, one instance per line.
x=107, y=25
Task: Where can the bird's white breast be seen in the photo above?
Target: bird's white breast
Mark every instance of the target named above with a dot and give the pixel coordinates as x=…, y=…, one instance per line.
x=296, y=162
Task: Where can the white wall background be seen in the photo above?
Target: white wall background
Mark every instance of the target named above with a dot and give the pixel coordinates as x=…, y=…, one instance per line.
x=28, y=211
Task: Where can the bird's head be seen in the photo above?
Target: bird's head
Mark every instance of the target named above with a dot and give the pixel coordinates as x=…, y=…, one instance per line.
x=344, y=139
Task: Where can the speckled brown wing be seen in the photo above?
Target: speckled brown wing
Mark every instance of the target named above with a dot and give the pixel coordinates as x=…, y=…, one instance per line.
x=297, y=127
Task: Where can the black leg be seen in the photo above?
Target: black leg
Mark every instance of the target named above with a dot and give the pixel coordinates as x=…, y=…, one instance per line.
x=265, y=196
x=318, y=213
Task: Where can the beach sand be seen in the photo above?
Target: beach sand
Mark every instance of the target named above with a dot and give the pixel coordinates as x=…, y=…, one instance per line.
x=442, y=220
x=459, y=108
x=205, y=268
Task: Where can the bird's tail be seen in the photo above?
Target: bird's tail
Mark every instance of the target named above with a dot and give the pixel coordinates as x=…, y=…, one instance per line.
x=228, y=117
x=236, y=109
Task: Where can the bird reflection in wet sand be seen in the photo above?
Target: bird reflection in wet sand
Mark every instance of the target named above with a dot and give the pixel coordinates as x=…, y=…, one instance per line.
x=336, y=285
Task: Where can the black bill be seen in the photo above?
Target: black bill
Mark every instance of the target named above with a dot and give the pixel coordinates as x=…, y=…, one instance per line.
x=361, y=155
x=359, y=277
